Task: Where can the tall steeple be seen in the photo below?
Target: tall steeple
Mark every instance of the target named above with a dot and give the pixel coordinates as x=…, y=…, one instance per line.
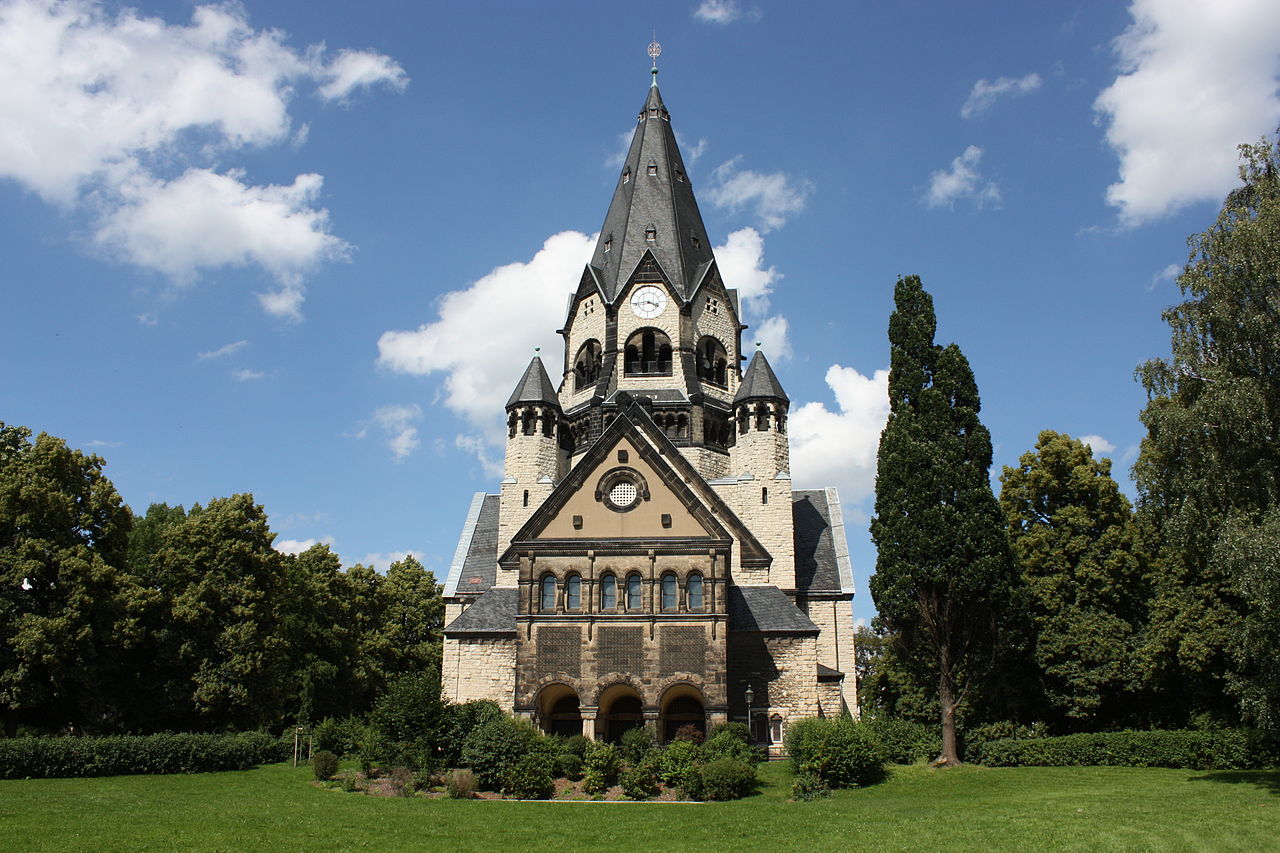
x=653, y=210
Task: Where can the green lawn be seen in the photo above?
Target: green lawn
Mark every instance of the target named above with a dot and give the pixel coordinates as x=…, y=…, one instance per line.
x=971, y=808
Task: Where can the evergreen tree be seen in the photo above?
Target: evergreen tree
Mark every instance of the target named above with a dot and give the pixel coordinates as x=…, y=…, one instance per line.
x=1209, y=470
x=1072, y=534
x=944, y=579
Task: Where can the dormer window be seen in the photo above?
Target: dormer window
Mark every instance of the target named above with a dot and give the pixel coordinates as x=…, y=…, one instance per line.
x=697, y=244
x=653, y=169
x=626, y=175
x=679, y=176
x=651, y=234
x=608, y=243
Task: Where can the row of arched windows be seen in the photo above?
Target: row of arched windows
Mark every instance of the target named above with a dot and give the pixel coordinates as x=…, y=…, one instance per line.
x=648, y=352
x=622, y=594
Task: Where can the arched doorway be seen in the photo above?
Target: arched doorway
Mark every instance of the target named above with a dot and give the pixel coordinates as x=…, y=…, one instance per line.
x=682, y=705
x=559, y=710
x=621, y=709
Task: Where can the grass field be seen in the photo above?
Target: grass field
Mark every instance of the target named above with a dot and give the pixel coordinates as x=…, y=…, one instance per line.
x=970, y=808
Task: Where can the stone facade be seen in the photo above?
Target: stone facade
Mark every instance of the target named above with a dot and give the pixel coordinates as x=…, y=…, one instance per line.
x=646, y=559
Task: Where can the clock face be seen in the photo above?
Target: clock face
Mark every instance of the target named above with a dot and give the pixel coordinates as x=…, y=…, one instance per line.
x=648, y=301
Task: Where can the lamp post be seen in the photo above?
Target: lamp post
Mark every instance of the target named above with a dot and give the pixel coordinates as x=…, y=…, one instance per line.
x=751, y=695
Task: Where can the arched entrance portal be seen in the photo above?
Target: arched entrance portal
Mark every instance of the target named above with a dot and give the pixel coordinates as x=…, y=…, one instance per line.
x=682, y=705
x=558, y=709
x=621, y=709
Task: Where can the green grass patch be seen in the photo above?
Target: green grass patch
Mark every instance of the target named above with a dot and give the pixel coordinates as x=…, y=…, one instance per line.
x=969, y=808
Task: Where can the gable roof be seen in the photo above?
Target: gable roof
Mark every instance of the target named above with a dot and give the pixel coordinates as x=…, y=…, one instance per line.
x=766, y=608
x=677, y=473
x=474, y=568
x=821, y=550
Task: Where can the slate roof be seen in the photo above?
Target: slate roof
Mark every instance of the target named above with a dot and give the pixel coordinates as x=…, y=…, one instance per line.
x=534, y=387
x=663, y=200
x=759, y=382
x=492, y=613
x=475, y=562
x=822, y=552
x=826, y=673
x=766, y=608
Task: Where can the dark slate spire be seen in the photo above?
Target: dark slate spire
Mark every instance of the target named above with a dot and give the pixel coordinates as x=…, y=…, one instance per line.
x=534, y=387
x=759, y=383
x=653, y=210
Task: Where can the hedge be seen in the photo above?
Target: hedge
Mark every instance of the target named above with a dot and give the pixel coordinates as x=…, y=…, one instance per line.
x=44, y=757
x=1223, y=749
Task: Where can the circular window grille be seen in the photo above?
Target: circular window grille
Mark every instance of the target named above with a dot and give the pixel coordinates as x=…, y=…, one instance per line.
x=623, y=494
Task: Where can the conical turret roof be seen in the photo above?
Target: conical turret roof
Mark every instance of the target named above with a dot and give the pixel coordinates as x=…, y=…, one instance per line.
x=534, y=387
x=654, y=210
x=759, y=382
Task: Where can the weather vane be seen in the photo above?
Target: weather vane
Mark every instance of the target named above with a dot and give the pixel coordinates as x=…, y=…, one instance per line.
x=655, y=50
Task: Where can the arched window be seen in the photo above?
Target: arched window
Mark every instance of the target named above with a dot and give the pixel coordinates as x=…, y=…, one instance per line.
x=608, y=592
x=648, y=353
x=633, y=592
x=762, y=416
x=775, y=729
x=711, y=361
x=670, y=590
x=693, y=591
x=573, y=593
x=586, y=366
x=548, y=601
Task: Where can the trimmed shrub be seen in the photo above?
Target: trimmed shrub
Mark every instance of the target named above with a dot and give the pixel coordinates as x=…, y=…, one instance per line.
x=460, y=785
x=639, y=782
x=1225, y=749
x=497, y=746
x=840, y=752
x=569, y=766
x=677, y=759
x=973, y=740
x=905, y=741
x=324, y=764
x=728, y=779
x=530, y=778
x=43, y=757
x=726, y=744
x=637, y=742
x=808, y=787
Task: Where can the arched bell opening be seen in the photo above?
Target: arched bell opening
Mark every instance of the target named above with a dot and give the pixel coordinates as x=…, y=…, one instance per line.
x=682, y=705
x=559, y=710
x=621, y=710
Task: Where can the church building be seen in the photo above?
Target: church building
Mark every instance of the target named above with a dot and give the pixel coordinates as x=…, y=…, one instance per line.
x=646, y=560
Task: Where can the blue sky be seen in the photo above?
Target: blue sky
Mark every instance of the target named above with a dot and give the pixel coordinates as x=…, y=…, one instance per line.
x=306, y=249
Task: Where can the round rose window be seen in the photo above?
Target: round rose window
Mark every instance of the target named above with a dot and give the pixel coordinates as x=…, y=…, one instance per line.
x=623, y=494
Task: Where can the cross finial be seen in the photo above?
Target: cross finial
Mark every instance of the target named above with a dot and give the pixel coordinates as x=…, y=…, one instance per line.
x=655, y=50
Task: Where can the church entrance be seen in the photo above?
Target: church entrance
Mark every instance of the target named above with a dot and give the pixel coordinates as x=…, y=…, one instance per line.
x=682, y=706
x=559, y=710
x=621, y=709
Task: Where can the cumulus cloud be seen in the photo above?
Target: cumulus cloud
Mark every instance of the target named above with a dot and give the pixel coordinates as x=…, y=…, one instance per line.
x=987, y=92
x=1196, y=80
x=120, y=117
x=382, y=561
x=772, y=197
x=741, y=262
x=397, y=422
x=1097, y=443
x=221, y=351
x=297, y=546
x=718, y=11
x=962, y=180
x=838, y=448
x=526, y=300
x=1169, y=273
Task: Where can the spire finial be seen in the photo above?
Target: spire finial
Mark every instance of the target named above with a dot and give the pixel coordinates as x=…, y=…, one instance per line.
x=537, y=350
x=758, y=344
x=655, y=50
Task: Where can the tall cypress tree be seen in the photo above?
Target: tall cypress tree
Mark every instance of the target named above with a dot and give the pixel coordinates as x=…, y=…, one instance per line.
x=944, y=577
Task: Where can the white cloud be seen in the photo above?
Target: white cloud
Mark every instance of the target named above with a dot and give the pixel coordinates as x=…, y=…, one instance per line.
x=692, y=152
x=985, y=92
x=771, y=334
x=1099, y=444
x=1196, y=80
x=718, y=11
x=228, y=349
x=382, y=561
x=1169, y=273
x=97, y=442
x=525, y=300
x=397, y=421
x=247, y=375
x=838, y=448
x=741, y=263
x=119, y=116
x=772, y=197
x=297, y=546
x=483, y=450
x=962, y=180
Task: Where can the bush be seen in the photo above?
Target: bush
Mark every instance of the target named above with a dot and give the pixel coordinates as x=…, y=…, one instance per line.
x=678, y=759
x=460, y=785
x=639, y=782
x=1225, y=749
x=637, y=742
x=808, y=787
x=728, y=779
x=594, y=782
x=497, y=746
x=530, y=778
x=689, y=732
x=341, y=737
x=569, y=766
x=460, y=721
x=324, y=764
x=403, y=781
x=905, y=741
x=575, y=745
x=726, y=744
x=689, y=785
x=975, y=739
x=601, y=758
x=738, y=730
x=410, y=716
x=43, y=757
x=839, y=752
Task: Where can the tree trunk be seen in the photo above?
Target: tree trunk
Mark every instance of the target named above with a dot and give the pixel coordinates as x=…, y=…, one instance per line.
x=947, y=707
